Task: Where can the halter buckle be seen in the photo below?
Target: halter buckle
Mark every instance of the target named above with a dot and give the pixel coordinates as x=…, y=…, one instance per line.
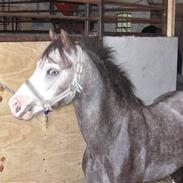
x=47, y=107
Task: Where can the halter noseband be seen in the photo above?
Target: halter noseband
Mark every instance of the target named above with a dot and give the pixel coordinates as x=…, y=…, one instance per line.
x=68, y=95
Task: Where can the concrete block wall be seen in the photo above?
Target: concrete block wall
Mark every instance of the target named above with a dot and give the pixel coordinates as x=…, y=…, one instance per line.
x=151, y=63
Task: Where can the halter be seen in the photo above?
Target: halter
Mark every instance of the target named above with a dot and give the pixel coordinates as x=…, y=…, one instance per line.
x=68, y=95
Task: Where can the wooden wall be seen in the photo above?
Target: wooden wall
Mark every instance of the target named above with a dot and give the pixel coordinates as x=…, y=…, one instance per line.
x=27, y=153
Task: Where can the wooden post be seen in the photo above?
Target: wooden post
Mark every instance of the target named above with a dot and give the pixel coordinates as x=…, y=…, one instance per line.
x=171, y=18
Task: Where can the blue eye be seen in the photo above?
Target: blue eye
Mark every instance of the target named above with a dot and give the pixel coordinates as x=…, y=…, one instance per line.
x=52, y=72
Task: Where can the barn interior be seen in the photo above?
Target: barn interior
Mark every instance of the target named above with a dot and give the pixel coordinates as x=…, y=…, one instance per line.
x=148, y=38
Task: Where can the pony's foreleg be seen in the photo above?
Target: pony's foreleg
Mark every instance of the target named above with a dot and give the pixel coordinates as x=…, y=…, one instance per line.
x=132, y=171
x=93, y=169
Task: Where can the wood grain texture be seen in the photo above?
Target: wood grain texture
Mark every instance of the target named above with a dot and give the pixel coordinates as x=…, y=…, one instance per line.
x=171, y=18
x=27, y=153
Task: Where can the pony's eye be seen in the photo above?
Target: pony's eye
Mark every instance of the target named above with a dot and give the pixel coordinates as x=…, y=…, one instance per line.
x=52, y=72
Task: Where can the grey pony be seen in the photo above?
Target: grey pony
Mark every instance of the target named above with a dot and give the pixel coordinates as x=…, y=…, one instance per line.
x=127, y=142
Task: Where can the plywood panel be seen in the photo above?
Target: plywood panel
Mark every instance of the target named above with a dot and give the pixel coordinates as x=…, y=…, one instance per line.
x=27, y=153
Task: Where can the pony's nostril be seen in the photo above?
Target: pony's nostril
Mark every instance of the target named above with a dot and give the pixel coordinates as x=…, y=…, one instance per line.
x=18, y=108
x=16, y=105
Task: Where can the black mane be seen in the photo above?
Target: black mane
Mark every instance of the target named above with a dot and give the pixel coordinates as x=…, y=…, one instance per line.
x=112, y=74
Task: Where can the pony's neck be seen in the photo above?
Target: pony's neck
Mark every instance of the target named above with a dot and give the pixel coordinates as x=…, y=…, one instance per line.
x=97, y=107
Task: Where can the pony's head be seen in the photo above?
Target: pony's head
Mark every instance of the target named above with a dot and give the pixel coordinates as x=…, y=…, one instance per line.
x=56, y=79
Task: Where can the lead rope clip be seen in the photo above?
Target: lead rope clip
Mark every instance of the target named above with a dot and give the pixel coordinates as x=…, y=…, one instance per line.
x=46, y=112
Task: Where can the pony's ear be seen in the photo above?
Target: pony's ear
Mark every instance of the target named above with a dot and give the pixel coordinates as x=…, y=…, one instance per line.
x=53, y=35
x=67, y=43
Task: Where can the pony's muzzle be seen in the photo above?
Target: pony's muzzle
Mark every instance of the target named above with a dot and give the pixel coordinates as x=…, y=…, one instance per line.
x=15, y=106
x=19, y=107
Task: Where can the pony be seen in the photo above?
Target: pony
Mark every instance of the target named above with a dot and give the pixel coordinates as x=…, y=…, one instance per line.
x=127, y=141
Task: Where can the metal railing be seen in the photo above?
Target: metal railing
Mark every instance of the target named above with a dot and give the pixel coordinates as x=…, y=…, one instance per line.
x=85, y=15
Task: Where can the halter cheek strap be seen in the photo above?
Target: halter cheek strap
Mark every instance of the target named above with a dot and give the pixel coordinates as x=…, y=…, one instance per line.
x=45, y=104
x=68, y=95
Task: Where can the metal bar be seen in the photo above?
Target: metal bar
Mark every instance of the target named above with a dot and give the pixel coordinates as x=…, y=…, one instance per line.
x=40, y=11
x=81, y=10
x=101, y=24
x=87, y=14
x=132, y=9
x=37, y=6
x=117, y=2
x=23, y=38
x=164, y=17
x=45, y=37
x=38, y=21
x=26, y=37
x=131, y=33
x=19, y=32
x=54, y=1
x=112, y=19
x=3, y=4
x=106, y=19
x=32, y=21
x=47, y=16
x=8, y=5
